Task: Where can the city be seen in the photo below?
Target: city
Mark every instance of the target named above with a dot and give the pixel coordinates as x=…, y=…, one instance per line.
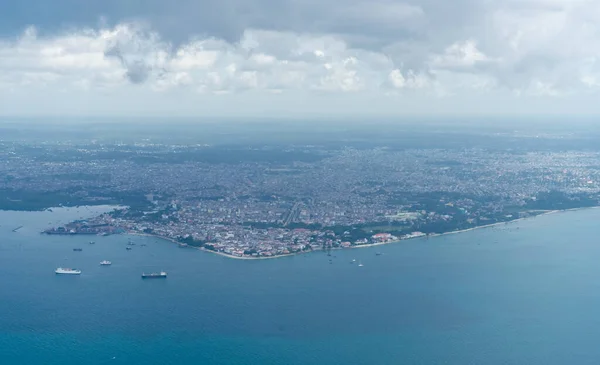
x=258, y=201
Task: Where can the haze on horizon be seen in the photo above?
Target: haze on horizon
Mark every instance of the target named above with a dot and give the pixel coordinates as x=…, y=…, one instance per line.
x=294, y=58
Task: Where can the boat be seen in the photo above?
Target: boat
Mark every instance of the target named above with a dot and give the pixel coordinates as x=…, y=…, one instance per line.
x=78, y=249
x=92, y=242
x=353, y=261
x=378, y=253
x=360, y=265
x=67, y=271
x=155, y=275
x=128, y=248
x=105, y=263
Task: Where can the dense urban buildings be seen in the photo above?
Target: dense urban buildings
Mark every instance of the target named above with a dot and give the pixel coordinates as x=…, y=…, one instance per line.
x=272, y=199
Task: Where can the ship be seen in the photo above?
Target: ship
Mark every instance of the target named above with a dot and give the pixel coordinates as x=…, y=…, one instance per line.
x=78, y=249
x=67, y=271
x=105, y=263
x=128, y=248
x=92, y=242
x=155, y=275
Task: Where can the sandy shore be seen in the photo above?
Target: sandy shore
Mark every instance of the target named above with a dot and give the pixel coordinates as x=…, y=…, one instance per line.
x=360, y=246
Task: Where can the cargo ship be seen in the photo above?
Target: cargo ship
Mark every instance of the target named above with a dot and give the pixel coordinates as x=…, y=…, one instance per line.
x=67, y=271
x=155, y=275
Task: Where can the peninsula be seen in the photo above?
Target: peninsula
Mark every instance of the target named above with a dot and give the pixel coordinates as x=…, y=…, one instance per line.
x=277, y=189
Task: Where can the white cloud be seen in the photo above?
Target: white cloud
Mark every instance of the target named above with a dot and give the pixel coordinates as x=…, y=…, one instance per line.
x=410, y=80
x=260, y=60
x=459, y=55
x=542, y=48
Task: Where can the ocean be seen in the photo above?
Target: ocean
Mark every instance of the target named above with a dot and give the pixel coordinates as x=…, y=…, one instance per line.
x=521, y=293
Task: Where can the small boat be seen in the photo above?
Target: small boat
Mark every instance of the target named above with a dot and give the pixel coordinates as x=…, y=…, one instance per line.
x=67, y=271
x=360, y=265
x=377, y=253
x=353, y=261
x=128, y=248
x=155, y=275
x=105, y=263
x=78, y=249
x=143, y=244
x=92, y=242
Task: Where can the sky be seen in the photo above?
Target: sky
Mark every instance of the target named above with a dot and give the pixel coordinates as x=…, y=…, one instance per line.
x=299, y=57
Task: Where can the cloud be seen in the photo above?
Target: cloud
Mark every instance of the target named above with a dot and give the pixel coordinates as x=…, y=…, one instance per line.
x=377, y=48
x=265, y=60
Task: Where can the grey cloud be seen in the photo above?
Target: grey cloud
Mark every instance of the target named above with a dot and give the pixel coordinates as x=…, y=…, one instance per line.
x=409, y=32
x=368, y=24
x=227, y=19
x=137, y=71
x=135, y=49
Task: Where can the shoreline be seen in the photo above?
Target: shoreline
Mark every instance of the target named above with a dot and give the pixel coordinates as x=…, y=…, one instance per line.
x=491, y=225
x=180, y=244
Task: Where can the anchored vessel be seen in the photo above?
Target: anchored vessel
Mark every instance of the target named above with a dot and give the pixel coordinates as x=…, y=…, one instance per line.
x=154, y=275
x=67, y=271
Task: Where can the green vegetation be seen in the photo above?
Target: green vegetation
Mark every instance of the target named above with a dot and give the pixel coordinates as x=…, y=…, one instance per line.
x=151, y=155
x=294, y=225
x=81, y=177
x=25, y=200
x=393, y=226
x=556, y=200
x=37, y=200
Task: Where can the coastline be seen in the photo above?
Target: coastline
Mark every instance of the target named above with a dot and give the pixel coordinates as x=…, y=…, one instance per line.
x=180, y=244
x=491, y=225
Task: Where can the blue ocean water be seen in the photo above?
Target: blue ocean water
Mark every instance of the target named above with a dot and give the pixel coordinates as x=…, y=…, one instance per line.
x=522, y=293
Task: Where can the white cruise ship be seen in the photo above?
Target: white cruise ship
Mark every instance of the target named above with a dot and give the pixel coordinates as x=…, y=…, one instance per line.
x=67, y=271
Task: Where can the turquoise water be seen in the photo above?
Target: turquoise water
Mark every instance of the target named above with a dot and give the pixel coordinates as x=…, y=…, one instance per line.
x=523, y=293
